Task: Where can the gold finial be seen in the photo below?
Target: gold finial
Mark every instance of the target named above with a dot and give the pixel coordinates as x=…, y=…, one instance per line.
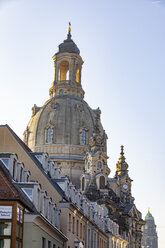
x=148, y=210
x=69, y=29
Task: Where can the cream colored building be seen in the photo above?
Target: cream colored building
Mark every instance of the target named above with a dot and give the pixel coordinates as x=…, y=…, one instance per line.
x=33, y=221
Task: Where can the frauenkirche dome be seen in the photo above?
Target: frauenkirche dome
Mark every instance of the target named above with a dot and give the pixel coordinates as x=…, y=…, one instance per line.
x=63, y=125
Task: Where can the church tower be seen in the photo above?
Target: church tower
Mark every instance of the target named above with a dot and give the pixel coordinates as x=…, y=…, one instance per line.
x=150, y=238
x=123, y=178
x=63, y=125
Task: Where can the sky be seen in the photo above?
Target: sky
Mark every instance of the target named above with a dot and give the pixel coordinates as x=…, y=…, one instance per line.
x=122, y=44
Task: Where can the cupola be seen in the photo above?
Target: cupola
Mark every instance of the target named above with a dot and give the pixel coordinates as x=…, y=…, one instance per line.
x=67, y=70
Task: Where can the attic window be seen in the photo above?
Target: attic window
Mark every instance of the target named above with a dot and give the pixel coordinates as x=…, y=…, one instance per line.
x=39, y=157
x=29, y=193
x=6, y=162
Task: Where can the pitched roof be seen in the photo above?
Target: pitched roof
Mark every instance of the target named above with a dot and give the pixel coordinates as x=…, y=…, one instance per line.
x=36, y=161
x=11, y=191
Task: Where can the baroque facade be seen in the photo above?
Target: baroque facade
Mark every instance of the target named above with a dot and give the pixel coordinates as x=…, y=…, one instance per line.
x=69, y=133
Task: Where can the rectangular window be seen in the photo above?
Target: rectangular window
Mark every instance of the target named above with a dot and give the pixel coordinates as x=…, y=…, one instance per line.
x=5, y=228
x=83, y=232
x=80, y=230
x=43, y=242
x=77, y=227
x=70, y=222
x=73, y=225
x=89, y=238
x=49, y=244
x=5, y=243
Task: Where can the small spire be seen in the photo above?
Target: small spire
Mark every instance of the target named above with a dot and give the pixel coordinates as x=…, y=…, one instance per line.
x=121, y=165
x=122, y=150
x=148, y=210
x=69, y=31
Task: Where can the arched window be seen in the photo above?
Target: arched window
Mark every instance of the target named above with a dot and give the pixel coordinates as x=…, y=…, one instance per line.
x=63, y=71
x=77, y=74
x=49, y=135
x=83, y=137
x=83, y=184
x=102, y=182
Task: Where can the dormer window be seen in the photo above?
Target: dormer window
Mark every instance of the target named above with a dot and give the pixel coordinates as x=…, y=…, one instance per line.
x=21, y=174
x=14, y=167
x=63, y=71
x=83, y=136
x=49, y=135
x=29, y=193
x=6, y=162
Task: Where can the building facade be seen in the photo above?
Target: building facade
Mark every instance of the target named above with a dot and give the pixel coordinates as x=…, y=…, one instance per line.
x=25, y=219
x=56, y=201
x=150, y=238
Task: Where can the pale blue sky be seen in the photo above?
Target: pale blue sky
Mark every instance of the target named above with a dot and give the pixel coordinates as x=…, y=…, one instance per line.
x=122, y=43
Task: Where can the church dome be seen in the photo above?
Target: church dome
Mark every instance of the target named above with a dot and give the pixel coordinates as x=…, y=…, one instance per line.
x=63, y=126
x=71, y=120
